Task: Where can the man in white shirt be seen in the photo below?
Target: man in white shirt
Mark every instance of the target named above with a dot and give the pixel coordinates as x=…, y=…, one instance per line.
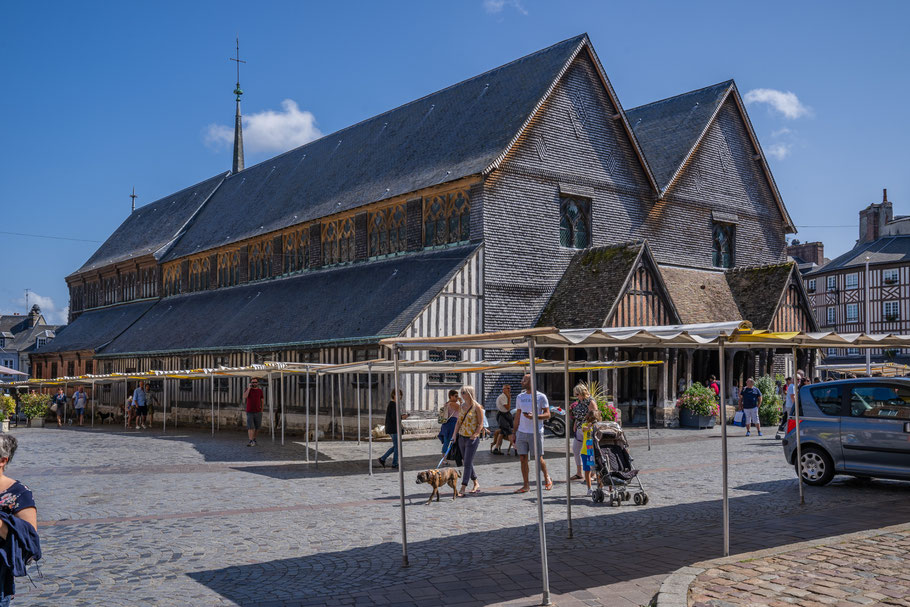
x=524, y=422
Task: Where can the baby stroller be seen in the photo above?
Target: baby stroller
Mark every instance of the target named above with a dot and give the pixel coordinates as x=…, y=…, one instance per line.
x=613, y=466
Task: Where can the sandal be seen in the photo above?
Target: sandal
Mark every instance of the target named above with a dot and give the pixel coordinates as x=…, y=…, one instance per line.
x=522, y=490
x=548, y=484
x=577, y=477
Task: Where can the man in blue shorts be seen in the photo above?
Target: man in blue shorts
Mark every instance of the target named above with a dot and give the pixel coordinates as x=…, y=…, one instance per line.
x=749, y=401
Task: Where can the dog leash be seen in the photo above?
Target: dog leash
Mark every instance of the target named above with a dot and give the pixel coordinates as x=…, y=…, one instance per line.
x=445, y=454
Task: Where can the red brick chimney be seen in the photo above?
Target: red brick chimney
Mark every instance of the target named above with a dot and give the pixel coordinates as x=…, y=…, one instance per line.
x=873, y=218
x=811, y=252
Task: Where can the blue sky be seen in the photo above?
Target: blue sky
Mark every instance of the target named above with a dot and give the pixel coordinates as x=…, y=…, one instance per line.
x=101, y=97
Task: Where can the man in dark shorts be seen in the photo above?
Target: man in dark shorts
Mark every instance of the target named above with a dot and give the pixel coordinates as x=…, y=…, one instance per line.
x=253, y=397
x=749, y=401
x=140, y=401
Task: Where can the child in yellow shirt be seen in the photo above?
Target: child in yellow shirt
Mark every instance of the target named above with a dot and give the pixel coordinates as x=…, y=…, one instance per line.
x=587, y=446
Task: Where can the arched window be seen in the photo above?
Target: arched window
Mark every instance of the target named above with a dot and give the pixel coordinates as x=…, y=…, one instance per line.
x=291, y=247
x=204, y=278
x=265, y=261
x=235, y=268
x=195, y=270
x=722, y=245
x=338, y=241
x=575, y=223
x=446, y=219
x=253, y=255
x=387, y=230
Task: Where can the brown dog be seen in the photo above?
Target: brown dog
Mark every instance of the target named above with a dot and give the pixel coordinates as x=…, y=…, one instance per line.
x=438, y=479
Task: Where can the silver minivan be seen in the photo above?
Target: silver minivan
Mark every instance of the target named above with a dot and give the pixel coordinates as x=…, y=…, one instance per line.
x=859, y=427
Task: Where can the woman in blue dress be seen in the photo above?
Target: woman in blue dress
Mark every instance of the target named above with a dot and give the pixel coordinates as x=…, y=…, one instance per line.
x=18, y=522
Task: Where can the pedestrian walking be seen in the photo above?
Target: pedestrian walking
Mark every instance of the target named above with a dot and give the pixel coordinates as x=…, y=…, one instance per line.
x=750, y=399
x=580, y=407
x=253, y=398
x=503, y=419
x=392, y=416
x=789, y=391
x=524, y=421
x=79, y=401
x=59, y=402
x=18, y=524
x=140, y=405
x=447, y=430
x=468, y=429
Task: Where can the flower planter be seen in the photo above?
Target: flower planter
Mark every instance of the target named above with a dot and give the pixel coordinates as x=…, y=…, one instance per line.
x=4, y=426
x=36, y=422
x=690, y=420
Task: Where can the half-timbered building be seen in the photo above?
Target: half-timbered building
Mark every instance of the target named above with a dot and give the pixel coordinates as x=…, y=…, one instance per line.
x=506, y=200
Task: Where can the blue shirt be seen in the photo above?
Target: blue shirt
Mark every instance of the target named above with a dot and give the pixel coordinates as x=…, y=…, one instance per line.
x=139, y=397
x=750, y=397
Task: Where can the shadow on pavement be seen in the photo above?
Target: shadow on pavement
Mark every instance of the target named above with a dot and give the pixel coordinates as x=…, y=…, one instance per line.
x=618, y=547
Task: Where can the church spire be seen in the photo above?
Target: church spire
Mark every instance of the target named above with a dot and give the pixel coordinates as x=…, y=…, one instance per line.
x=237, y=166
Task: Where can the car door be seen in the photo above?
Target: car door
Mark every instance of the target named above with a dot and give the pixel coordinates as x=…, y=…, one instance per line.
x=875, y=430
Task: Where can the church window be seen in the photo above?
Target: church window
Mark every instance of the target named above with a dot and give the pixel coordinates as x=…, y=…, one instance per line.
x=235, y=268
x=387, y=231
x=204, y=277
x=296, y=251
x=444, y=356
x=172, y=283
x=253, y=256
x=446, y=219
x=722, y=247
x=338, y=241
x=575, y=222
x=265, y=262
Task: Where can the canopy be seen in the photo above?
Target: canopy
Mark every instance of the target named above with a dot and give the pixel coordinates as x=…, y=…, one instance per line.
x=461, y=366
x=886, y=369
x=7, y=371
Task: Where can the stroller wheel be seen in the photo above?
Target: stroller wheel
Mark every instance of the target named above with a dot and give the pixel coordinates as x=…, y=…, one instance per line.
x=644, y=499
x=598, y=496
x=638, y=499
x=615, y=501
x=626, y=496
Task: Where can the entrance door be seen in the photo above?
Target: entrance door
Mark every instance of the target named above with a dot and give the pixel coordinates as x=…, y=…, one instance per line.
x=875, y=433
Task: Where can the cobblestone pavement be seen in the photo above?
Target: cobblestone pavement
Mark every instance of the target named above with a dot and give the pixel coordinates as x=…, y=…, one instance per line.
x=185, y=518
x=858, y=571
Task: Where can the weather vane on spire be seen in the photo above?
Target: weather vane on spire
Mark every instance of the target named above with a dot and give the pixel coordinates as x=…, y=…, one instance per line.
x=237, y=90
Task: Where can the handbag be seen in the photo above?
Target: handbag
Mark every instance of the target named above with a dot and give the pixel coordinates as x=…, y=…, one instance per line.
x=739, y=418
x=54, y=408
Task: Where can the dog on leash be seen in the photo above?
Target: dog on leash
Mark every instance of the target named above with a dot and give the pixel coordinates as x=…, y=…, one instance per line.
x=437, y=479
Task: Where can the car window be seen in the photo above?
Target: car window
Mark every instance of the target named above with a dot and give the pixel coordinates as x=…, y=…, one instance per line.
x=828, y=399
x=888, y=402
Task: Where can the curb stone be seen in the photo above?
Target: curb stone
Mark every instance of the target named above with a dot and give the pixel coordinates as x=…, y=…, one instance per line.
x=674, y=591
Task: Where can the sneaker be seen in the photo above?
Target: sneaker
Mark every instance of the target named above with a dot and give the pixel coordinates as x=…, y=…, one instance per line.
x=254, y=443
x=590, y=492
x=249, y=444
x=748, y=433
x=759, y=433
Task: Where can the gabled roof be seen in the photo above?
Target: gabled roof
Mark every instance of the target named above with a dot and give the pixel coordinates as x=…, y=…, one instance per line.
x=888, y=249
x=94, y=328
x=151, y=227
x=700, y=295
x=758, y=291
x=670, y=131
x=362, y=301
x=590, y=286
x=457, y=132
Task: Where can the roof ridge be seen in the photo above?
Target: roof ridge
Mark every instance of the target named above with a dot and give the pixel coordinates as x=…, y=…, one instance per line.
x=759, y=267
x=578, y=37
x=698, y=90
x=222, y=174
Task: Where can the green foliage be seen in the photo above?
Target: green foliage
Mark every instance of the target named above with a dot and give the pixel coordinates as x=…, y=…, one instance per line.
x=699, y=399
x=7, y=407
x=35, y=405
x=771, y=402
x=608, y=412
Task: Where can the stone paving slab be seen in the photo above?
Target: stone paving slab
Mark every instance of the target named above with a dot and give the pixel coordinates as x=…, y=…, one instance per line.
x=185, y=518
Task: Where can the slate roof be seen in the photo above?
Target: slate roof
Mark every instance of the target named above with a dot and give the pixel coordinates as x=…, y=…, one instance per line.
x=700, y=295
x=757, y=291
x=20, y=336
x=668, y=129
x=94, y=328
x=152, y=226
x=589, y=287
x=888, y=249
x=360, y=301
x=456, y=132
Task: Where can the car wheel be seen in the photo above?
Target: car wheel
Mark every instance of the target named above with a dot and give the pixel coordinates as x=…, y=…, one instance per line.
x=817, y=467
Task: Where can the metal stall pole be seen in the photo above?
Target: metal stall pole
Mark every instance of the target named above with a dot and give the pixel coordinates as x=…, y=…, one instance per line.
x=370, y=414
x=404, y=524
x=93, y=405
x=721, y=355
x=164, y=400
x=316, y=422
x=545, y=576
x=271, y=395
x=212, y=380
x=332, y=402
x=648, y=403
x=306, y=400
x=281, y=383
x=799, y=448
x=341, y=405
x=218, y=406
x=568, y=446
x=65, y=386
x=357, y=390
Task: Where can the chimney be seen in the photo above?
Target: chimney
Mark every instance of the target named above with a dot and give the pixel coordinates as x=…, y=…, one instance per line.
x=873, y=218
x=809, y=252
x=34, y=315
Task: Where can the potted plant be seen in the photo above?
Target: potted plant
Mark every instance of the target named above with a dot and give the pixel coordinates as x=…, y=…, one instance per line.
x=697, y=407
x=35, y=407
x=769, y=412
x=608, y=412
x=7, y=410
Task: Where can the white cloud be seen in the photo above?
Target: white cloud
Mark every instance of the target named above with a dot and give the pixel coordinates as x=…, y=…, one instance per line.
x=52, y=314
x=786, y=103
x=781, y=132
x=780, y=150
x=496, y=6
x=268, y=131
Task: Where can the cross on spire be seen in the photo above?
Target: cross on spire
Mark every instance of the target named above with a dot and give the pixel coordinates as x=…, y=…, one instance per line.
x=133, y=198
x=237, y=59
